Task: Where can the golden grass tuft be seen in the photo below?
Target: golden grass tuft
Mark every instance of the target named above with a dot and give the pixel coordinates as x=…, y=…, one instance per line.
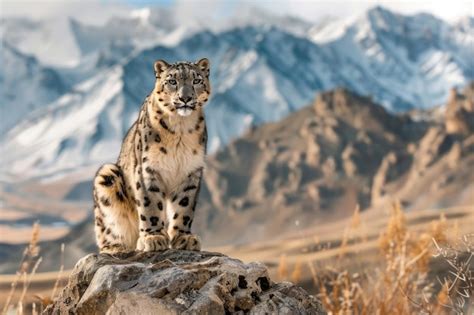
x=297, y=272
x=401, y=281
x=356, y=230
x=283, y=268
x=392, y=239
x=28, y=266
x=57, y=283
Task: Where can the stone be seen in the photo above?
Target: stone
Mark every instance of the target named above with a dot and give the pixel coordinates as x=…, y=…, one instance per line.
x=177, y=282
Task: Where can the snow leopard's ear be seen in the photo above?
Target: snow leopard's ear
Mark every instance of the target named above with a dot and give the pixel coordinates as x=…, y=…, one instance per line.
x=203, y=65
x=160, y=66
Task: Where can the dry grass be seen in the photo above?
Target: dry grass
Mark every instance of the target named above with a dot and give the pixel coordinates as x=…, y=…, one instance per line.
x=458, y=287
x=297, y=272
x=57, y=284
x=406, y=278
x=283, y=268
x=29, y=264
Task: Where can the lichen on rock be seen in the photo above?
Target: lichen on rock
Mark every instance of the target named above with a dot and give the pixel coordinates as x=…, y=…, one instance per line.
x=177, y=282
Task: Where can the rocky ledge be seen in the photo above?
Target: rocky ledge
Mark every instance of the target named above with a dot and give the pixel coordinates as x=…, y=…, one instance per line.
x=177, y=282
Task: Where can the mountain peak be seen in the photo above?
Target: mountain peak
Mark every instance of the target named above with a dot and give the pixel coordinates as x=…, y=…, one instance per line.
x=353, y=108
x=384, y=19
x=466, y=24
x=142, y=14
x=380, y=16
x=379, y=10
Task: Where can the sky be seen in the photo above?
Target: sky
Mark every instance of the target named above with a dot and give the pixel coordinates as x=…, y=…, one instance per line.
x=94, y=11
x=312, y=9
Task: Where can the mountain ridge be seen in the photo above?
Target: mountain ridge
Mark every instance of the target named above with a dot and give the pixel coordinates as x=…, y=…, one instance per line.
x=260, y=73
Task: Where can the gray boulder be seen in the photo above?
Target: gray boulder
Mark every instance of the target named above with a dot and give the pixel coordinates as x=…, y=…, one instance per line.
x=177, y=282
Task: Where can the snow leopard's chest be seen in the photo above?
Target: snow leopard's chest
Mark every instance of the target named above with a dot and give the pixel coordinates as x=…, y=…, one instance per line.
x=175, y=157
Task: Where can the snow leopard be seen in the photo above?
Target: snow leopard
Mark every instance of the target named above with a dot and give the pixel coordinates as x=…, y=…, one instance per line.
x=147, y=199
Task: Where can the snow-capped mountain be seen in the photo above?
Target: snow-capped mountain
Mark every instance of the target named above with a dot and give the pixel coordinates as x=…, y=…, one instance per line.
x=68, y=131
x=414, y=59
x=260, y=72
x=26, y=86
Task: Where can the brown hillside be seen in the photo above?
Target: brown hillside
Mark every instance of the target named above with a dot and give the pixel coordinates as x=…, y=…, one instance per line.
x=320, y=162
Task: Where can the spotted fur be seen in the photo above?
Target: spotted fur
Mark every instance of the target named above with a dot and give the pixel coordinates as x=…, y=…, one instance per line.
x=147, y=200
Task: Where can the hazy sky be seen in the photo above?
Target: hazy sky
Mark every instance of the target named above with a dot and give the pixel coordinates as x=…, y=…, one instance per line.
x=312, y=10
x=446, y=9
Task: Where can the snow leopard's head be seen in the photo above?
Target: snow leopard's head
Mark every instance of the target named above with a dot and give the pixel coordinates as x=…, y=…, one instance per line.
x=182, y=87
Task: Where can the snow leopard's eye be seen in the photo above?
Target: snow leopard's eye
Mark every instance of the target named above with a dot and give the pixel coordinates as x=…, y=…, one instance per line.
x=197, y=81
x=172, y=82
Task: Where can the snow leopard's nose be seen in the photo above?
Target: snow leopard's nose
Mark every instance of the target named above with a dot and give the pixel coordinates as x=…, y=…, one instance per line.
x=185, y=99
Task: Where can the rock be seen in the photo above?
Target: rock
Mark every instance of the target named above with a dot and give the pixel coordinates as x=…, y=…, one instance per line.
x=434, y=144
x=459, y=116
x=380, y=177
x=177, y=282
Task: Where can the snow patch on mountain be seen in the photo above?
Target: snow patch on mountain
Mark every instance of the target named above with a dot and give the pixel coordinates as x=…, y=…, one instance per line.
x=26, y=86
x=69, y=130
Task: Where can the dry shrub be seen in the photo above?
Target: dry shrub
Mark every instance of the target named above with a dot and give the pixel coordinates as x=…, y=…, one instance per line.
x=344, y=243
x=29, y=264
x=284, y=274
x=400, y=282
x=355, y=220
x=297, y=272
x=354, y=225
x=340, y=292
x=457, y=293
x=57, y=284
x=282, y=268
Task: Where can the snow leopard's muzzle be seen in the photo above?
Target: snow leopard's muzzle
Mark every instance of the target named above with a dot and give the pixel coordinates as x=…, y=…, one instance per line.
x=186, y=102
x=184, y=109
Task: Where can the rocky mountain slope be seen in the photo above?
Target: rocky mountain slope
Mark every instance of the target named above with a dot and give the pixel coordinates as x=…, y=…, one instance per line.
x=320, y=162
x=177, y=282
x=316, y=166
x=262, y=71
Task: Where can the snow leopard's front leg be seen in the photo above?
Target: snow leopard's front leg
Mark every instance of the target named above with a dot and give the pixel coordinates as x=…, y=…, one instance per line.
x=182, y=207
x=150, y=196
